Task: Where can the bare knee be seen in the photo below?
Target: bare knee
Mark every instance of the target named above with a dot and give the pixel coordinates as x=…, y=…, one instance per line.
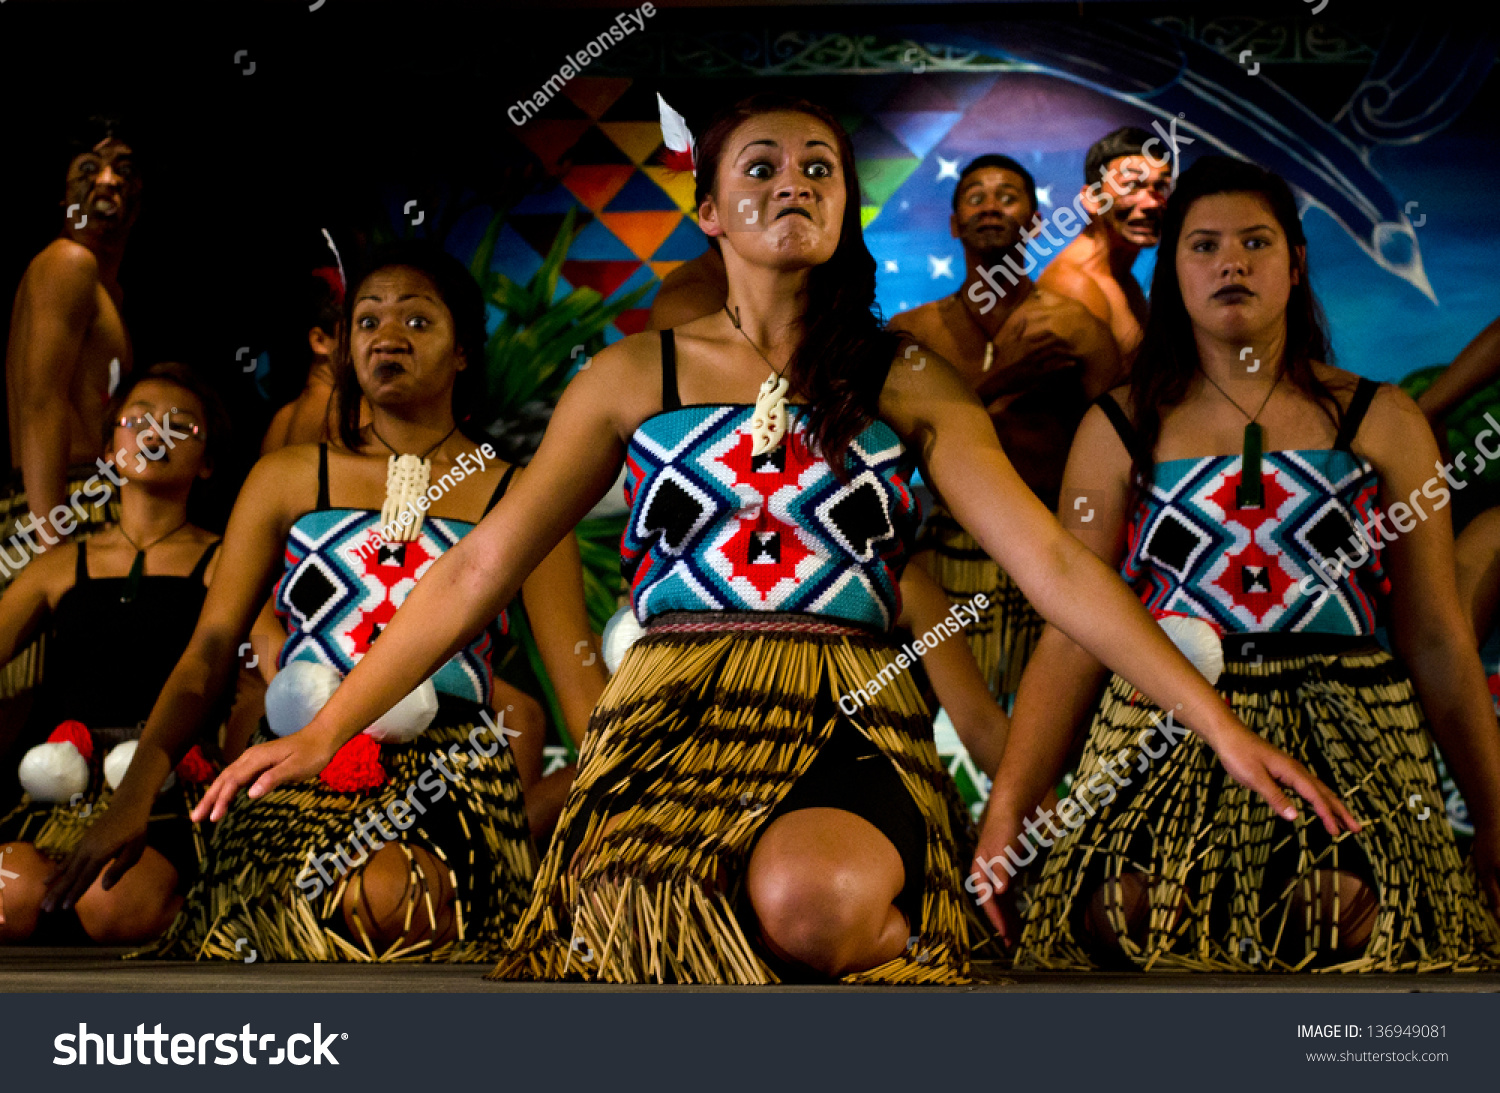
x=139, y=907
x=1337, y=908
x=27, y=870
x=1120, y=908
x=403, y=896
x=822, y=888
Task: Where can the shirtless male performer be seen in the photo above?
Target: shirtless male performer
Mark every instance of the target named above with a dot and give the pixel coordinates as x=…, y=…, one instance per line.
x=68, y=348
x=1036, y=359
x=1095, y=267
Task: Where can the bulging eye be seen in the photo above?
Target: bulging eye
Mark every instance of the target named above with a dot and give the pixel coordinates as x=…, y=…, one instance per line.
x=759, y=170
x=365, y=322
x=819, y=170
x=418, y=322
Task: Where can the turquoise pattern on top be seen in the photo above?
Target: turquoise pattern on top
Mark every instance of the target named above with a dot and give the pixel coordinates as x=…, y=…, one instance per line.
x=1191, y=551
x=713, y=528
x=337, y=594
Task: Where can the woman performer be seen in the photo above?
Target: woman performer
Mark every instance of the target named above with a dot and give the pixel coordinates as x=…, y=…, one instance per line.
x=1166, y=863
x=389, y=849
x=729, y=818
x=118, y=609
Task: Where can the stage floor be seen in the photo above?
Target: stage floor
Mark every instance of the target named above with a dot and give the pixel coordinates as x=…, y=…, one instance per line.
x=37, y=970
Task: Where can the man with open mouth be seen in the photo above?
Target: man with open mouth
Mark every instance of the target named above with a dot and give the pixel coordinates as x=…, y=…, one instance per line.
x=1125, y=189
x=1035, y=358
x=68, y=349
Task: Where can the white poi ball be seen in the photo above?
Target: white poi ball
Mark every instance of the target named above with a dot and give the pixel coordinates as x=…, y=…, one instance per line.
x=407, y=719
x=297, y=693
x=620, y=633
x=54, y=772
x=117, y=762
x=1198, y=641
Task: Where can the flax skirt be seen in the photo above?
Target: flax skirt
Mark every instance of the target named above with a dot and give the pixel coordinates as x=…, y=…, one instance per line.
x=57, y=829
x=1003, y=637
x=695, y=744
x=24, y=669
x=476, y=825
x=1225, y=876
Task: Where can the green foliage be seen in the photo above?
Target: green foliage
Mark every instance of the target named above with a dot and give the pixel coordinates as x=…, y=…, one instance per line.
x=1464, y=421
x=530, y=355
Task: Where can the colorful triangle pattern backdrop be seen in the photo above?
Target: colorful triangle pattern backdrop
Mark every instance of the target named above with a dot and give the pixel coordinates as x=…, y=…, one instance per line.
x=637, y=219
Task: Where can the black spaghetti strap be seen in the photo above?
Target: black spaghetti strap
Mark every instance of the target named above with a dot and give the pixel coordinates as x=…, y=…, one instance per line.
x=323, y=502
x=502, y=487
x=1364, y=393
x=81, y=565
x=670, y=399
x=202, y=566
x=1121, y=423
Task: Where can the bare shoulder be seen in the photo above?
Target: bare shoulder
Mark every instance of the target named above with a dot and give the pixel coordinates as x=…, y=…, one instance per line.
x=622, y=382
x=279, y=479
x=1071, y=281
x=1061, y=304
x=52, y=572
x=917, y=321
x=64, y=270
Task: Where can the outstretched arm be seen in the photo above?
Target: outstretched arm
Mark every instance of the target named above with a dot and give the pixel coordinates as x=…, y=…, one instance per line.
x=1072, y=588
x=1430, y=632
x=252, y=547
x=467, y=586
x=553, y=596
x=1477, y=365
x=979, y=720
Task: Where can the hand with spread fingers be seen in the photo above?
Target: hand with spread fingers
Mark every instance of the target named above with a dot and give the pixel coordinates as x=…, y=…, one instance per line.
x=262, y=768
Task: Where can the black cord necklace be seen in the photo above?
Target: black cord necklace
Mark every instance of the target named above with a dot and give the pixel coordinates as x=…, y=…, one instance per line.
x=1252, y=491
x=138, y=567
x=424, y=455
x=768, y=419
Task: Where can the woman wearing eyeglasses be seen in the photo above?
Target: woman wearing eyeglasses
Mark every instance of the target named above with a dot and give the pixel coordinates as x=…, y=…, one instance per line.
x=118, y=609
x=413, y=840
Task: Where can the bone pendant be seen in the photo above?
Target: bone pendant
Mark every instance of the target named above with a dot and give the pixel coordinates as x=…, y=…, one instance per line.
x=768, y=423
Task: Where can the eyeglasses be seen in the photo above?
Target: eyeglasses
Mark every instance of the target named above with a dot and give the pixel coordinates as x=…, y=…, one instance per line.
x=172, y=424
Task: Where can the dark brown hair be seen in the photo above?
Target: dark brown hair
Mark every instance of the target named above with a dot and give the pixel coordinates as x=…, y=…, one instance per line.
x=1167, y=361
x=459, y=292
x=845, y=354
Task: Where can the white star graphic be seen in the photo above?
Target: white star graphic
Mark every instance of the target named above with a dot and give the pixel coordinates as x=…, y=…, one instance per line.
x=4, y=872
x=947, y=168
x=940, y=267
x=905, y=204
x=891, y=266
x=901, y=306
x=1044, y=195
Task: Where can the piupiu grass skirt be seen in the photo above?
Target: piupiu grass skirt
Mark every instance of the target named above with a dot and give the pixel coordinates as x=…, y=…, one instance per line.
x=697, y=740
x=1225, y=874
x=23, y=671
x=1006, y=632
x=56, y=829
x=261, y=881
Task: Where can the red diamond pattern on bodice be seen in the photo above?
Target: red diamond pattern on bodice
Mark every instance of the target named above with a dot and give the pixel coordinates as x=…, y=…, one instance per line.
x=757, y=521
x=1232, y=580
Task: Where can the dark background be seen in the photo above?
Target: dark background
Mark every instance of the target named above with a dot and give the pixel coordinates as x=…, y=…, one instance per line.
x=350, y=110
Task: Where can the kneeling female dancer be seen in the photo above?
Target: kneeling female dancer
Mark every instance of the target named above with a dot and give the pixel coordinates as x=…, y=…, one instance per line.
x=1165, y=862
x=731, y=817
x=391, y=849
x=118, y=609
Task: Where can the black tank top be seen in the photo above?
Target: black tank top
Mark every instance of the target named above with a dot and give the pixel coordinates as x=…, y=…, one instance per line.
x=107, y=661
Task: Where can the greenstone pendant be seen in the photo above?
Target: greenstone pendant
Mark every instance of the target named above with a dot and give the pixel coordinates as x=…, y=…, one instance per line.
x=1252, y=491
